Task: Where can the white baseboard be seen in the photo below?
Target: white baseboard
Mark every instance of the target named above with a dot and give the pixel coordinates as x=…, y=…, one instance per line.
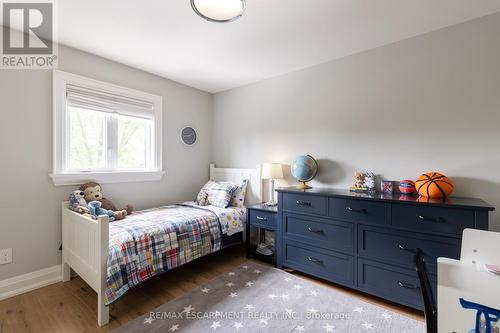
x=23, y=283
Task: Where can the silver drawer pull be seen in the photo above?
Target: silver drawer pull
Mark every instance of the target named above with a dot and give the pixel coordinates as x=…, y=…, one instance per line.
x=317, y=261
x=260, y=218
x=316, y=231
x=423, y=218
x=303, y=203
x=356, y=210
x=407, y=285
x=405, y=248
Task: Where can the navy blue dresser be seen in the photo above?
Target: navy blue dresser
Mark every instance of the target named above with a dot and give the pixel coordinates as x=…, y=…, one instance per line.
x=367, y=242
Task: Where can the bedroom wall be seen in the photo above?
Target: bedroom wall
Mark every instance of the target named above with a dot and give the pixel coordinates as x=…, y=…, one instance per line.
x=427, y=103
x=30, y=220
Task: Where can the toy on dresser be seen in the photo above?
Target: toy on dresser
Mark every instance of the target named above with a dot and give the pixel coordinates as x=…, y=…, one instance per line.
x=370, y=181
x=363, y=182
x=359, y=183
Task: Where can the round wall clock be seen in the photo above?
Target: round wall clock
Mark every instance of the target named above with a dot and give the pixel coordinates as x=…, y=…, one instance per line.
x=188, y=135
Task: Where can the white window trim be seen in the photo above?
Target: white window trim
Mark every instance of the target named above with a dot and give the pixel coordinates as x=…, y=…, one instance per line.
x=60, y=81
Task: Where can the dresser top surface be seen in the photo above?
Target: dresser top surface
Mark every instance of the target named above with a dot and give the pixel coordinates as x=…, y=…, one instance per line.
x=456, y=202
x=264, y=207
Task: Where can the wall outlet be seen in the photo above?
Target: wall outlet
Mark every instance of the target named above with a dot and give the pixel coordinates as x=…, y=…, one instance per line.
x=5, y=256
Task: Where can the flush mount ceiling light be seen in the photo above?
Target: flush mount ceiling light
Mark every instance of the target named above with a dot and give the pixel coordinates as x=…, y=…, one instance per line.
x=219, y=10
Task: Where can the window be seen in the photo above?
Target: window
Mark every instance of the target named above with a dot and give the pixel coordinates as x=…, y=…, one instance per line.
x=104, y=132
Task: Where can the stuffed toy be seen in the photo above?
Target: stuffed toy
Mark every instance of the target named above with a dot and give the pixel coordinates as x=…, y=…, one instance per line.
x=77, y=202
x=96, y=210
x=370, y=181
x=92, y=191
x=359, y=180
x=359, y=183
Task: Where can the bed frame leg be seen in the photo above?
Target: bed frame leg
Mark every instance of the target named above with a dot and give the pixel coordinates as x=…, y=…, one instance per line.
x=102, y=312
x=66, y=272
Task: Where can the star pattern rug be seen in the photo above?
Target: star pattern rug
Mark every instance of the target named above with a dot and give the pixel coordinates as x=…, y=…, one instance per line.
x=258, y=298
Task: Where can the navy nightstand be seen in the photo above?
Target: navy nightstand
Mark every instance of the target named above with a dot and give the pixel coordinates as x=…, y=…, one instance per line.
x=261, y=218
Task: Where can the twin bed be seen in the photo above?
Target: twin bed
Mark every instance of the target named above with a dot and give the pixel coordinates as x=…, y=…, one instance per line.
x=114, y=257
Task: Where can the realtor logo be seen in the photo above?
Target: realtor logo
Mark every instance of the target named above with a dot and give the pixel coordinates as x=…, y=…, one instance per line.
x=28, y=35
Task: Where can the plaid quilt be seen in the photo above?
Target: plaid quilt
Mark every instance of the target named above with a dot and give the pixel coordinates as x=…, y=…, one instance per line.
x=232, y=219
x=153, y=241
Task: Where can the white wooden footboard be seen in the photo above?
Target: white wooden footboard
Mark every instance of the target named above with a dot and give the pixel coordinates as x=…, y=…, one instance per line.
x=85, y=246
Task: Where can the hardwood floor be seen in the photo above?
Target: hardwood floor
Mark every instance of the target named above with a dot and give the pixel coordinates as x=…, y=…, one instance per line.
x=71, y=306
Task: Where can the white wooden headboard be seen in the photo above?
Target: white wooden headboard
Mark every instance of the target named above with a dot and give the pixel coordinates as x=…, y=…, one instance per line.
x=254, y=190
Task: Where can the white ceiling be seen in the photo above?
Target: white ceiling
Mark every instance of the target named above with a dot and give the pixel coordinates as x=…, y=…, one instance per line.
x=274, y=37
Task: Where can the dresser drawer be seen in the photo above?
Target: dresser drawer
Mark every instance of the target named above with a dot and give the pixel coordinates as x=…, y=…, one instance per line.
x=328, y=234
x=262, y=219
x=396, y=247
x=358, y=210
x=396, y=284
x=432, y=219
x=324, y=264
x=303, y=203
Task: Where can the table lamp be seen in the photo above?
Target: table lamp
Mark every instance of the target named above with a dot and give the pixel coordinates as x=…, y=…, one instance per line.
x=272, y=171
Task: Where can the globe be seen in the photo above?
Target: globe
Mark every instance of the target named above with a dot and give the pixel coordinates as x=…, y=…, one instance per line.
x=304, y=168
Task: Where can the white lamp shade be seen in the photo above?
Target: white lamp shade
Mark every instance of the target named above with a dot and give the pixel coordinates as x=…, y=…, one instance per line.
x=272, y=171
x=219, y=10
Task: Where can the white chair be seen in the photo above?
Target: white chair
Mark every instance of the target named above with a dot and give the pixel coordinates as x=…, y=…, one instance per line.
x=464, y=279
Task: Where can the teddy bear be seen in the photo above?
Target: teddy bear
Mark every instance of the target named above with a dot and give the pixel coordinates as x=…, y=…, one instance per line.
x=93, y=192
x=359, y=178
x=95, y=208
x=77, y=202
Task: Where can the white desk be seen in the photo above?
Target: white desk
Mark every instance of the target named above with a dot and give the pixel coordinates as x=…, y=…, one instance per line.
x=461, y=279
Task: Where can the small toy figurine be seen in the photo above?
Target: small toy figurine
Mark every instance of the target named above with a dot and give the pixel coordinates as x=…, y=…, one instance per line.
x=386, y=187
x=359, y=184
x=370, y=181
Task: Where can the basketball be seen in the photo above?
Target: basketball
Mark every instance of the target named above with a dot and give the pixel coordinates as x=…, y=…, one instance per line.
x=406, y=186
x=434, y=185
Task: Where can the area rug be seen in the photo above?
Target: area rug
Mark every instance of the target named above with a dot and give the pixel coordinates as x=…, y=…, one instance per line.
x=258, y=298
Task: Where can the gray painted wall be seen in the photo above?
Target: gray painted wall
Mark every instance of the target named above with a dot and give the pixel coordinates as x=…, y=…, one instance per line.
x=30, y=219
x=427, y=103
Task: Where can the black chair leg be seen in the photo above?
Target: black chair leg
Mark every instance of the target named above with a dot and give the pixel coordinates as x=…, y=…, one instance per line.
x=430, y=308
